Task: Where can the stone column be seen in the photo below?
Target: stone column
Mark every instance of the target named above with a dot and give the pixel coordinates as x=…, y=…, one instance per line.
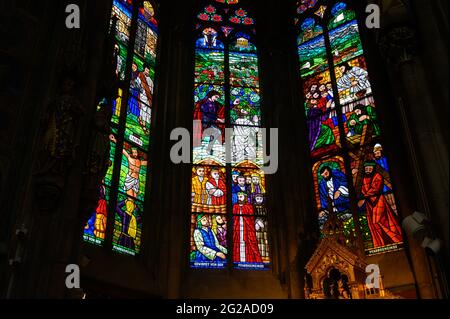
x=431, y=23
x=427, y=150
x=294, y=228
x=171, y=182
x=50, y=212
x=22, y=31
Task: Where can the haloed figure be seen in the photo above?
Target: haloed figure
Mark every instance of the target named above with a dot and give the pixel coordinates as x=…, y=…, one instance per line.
x=245, y=135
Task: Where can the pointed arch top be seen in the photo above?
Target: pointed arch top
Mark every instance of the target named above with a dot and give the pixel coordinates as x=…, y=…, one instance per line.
x=345, y=140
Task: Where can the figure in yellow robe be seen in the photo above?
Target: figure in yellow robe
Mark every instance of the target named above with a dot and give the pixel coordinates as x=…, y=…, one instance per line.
x=199, y=194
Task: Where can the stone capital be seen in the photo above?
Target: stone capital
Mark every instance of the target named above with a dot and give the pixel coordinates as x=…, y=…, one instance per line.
x=398, y=45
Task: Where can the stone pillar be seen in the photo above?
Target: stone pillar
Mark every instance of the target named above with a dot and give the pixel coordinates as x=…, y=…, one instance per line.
x=431, y=23
x=67, y=106
x=22, y=61
x=427, y=150
x=171, y=182
x=294, y=228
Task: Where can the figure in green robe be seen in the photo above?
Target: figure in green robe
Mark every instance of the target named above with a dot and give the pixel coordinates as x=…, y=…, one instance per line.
x=362, y=116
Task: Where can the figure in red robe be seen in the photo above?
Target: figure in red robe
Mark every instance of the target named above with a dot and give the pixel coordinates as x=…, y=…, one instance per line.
x=208, y=112
x=216, y=189
x=380, y=216
x=96, y=225
x=245, y=244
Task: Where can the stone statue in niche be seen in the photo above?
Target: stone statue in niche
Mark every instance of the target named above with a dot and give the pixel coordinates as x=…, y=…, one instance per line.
x=60, y=129
x=57, y=146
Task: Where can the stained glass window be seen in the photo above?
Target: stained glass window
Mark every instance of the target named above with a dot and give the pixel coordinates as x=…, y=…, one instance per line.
x=229, y=225
x=228, y=1
x=351, y=174
x=122, y=195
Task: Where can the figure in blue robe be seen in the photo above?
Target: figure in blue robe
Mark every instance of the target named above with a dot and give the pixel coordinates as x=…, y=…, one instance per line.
x=339, y=183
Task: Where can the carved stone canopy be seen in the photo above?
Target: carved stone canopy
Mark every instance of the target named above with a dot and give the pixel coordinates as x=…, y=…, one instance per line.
x=330, y=254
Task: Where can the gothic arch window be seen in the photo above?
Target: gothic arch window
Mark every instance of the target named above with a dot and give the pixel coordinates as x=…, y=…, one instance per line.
x=228, y=213
x=353, y=188
x=118, y=216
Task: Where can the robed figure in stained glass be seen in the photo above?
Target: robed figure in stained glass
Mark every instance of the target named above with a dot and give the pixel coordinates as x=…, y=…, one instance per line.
x=101, y=215
x=239, y=187
x=381, y=160
x=199, y=194
x=208, y=112
x=383, y=167
x=144, y=84
x=333, y=189
x=127, y=210
x=244, y=135
x=354, y=79
x=320, y=135
x=219, y=228
x=90, y=226
x=216, y=190
x=381, y=218
x=96, y=225
x=363, y=117
x=256, y=188
x=206, y=242
x=245, y=244
x=133, y=104
x=259, y=206
x=261, y=224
